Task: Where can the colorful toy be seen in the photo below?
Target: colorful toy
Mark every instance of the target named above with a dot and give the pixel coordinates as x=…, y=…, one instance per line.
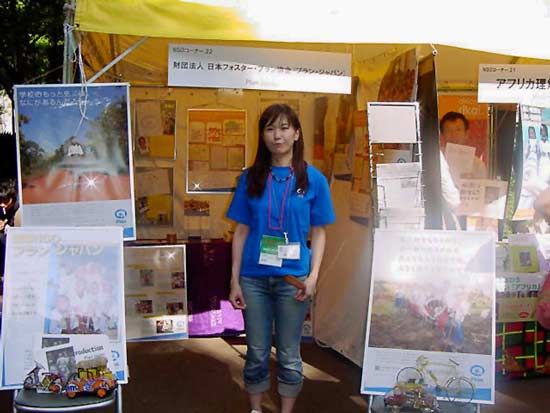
x=98, y=380
x=43, y=382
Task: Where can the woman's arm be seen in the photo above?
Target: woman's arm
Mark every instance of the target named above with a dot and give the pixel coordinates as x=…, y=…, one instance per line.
x=239, y=237
x=318, y=240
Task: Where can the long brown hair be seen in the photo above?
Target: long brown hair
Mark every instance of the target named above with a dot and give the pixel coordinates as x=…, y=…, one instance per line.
x=257, y=174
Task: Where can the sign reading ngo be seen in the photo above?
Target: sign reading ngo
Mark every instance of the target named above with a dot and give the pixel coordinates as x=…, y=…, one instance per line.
x=258, y=68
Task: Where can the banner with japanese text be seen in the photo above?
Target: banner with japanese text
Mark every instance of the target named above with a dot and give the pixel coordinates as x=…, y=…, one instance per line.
x=432, y=307
x=155, y=293
x=200, y=65
x=75, y=167
x=509, y=83
x=61, y=281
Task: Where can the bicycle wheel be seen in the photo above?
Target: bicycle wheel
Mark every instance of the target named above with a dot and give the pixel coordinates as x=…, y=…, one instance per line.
x=409, y=375
x=459, y=390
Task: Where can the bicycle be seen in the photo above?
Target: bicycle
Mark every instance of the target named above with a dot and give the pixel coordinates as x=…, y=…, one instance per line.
x=456, y=387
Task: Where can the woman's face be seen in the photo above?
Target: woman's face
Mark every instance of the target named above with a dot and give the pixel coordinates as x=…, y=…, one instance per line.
x=532, y=134
x=279, y=137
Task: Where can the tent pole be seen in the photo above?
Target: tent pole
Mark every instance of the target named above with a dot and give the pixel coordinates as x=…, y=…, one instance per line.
x=68, y=41
x=118, y=59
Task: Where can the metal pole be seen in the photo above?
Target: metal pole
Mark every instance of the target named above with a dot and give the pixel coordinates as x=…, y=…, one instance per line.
x=68, y=42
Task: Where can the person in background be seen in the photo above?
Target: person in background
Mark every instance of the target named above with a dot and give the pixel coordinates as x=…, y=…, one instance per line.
x=8, y=208
x=454, y=127
x=278, y=201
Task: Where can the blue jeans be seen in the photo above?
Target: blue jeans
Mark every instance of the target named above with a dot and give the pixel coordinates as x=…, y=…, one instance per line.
x=271, y=299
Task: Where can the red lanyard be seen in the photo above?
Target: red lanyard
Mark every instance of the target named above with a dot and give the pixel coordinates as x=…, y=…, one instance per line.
x=283, y=202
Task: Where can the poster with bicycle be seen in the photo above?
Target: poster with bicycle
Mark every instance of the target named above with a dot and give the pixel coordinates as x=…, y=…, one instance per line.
x=61, y=281
x=431, y=316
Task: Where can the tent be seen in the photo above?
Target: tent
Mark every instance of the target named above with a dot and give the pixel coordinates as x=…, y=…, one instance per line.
x=464, y=35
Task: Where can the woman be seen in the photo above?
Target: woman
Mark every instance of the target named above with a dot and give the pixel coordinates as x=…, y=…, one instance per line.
x=277, y=202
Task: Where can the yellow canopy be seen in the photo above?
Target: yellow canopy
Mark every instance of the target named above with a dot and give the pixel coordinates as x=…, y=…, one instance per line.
x=488, y=25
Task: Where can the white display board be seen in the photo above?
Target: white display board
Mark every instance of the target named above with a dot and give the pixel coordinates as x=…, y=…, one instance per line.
x=201, y=65
x=156, y=293
x=393, y=122
x=509, y=83
x=61, y=281
x=432, y=294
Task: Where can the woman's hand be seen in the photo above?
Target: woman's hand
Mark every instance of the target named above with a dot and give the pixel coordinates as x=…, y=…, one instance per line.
x=236, y=297
x=309, y=291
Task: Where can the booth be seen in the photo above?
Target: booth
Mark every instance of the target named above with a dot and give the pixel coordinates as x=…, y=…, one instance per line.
x=193, y=128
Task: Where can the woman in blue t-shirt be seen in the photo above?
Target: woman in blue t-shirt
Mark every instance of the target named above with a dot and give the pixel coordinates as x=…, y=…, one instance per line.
x=278, y=201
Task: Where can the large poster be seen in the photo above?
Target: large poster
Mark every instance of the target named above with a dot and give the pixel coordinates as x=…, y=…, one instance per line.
x=61, y=281
x=73, y=149
x=432, y=300
x=156, y=293
x=155, y=129
x=216, y=149
x=535, y=161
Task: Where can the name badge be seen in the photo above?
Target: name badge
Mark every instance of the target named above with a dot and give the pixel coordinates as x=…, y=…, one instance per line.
x=269, y=251
x=290, y=251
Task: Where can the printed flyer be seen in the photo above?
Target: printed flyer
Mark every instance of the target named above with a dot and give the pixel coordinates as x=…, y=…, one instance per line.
x=156, y=293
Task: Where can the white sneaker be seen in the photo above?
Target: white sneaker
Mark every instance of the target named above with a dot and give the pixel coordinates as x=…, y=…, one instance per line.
x=255, y=411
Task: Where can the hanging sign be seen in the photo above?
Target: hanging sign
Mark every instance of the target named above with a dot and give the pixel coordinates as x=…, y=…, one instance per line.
x=527, y=84
x=258, y=68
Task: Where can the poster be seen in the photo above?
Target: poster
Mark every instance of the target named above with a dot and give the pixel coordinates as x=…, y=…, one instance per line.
x=432, y=298
x=75, y=167
x=399, y=185
x=155, y=293
x=216, y=149
x=535, y=163
x=360, y=198
x=154, y=196
x=61, y=281
x=155, y=129
x=474, y=133
x=399, y=83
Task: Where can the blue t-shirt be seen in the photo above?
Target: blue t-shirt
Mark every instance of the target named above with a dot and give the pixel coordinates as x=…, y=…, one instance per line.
x=300, y=212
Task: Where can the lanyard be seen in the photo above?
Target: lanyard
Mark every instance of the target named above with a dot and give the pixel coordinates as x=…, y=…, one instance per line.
x=283, y=201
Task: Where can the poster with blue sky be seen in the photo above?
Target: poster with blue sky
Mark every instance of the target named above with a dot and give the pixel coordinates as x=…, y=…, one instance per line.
x=75, y=167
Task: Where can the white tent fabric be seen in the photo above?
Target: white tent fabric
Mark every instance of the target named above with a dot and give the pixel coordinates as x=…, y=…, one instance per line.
x=497, y=26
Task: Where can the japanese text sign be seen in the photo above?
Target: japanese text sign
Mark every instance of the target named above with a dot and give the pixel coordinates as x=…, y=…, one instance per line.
x=527, y=84
x=258, y=68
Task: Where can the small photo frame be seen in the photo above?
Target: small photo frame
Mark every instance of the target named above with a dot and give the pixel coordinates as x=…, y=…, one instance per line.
x=524, y=258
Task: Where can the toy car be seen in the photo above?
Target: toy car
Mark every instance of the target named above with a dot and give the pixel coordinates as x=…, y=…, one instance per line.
x=97, y=380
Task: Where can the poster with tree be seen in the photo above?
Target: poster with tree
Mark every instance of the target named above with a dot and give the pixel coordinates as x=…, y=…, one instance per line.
x=74, y=156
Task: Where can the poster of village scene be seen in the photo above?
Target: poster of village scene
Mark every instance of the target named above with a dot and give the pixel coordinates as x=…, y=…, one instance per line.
x=74, y=155
x=431, y=307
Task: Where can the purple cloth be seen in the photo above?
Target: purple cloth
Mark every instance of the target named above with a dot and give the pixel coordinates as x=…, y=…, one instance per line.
x=208, y=281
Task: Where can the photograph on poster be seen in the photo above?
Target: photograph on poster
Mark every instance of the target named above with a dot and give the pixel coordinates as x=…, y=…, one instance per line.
x=144, y=306
x=524, y=258
x=165, y=326
x=84, y=301
x=147, y=277
x=62, y=361
x=174, y=308
x=178, y=279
